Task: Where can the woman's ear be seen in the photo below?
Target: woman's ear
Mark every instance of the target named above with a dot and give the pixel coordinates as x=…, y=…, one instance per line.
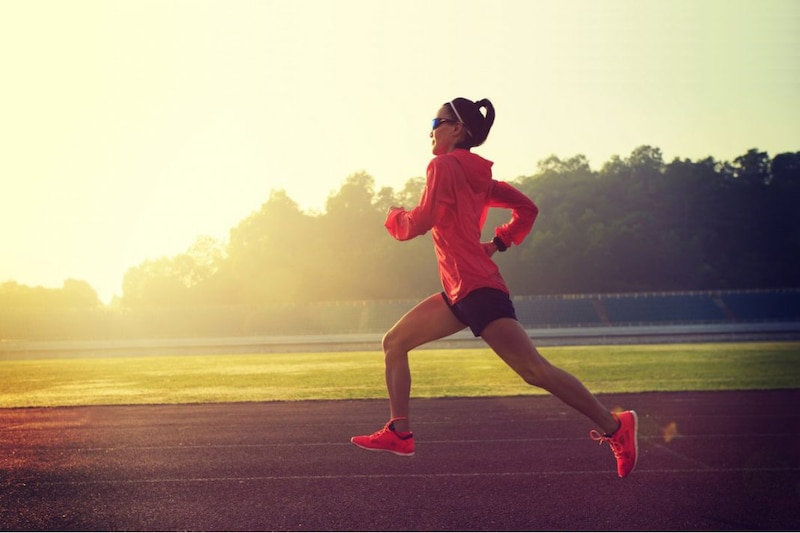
x=460, y=132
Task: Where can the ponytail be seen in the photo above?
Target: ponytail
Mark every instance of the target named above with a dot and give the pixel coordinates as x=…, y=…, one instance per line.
x=476, y=123
x=488, y=121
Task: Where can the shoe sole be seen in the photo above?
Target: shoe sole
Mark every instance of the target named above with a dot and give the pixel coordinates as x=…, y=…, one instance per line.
x=635, y=440
x=401, y=454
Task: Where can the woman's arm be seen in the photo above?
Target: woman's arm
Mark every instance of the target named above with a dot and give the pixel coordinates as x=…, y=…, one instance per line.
x=523, y=213
x=404, y=225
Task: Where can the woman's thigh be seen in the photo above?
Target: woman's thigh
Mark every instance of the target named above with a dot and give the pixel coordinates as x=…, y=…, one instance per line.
x=429, y=320
x=511, y=342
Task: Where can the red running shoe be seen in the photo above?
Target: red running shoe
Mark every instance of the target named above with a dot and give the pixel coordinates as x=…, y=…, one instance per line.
x=624, y=442
x=387, y=440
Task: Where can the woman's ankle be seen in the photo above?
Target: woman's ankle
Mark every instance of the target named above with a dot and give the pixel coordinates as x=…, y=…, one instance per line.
x=400, y=424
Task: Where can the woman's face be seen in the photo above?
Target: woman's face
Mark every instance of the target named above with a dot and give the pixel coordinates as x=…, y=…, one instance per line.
x=447, y=133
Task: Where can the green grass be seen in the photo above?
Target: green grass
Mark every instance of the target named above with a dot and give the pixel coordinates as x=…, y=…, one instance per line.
x=357, y=375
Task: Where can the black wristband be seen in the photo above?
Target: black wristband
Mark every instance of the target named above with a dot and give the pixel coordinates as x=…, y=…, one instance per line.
x=501, y=246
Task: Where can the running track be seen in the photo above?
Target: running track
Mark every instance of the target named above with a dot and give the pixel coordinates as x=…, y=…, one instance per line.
x=708, y=461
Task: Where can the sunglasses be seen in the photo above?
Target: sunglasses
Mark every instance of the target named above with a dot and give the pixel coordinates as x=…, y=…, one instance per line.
x=439, y=121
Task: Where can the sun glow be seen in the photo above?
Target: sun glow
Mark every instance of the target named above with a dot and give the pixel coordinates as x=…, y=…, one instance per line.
x=131, y=128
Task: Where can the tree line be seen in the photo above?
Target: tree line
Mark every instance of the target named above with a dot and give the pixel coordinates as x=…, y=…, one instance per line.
x=636, y=224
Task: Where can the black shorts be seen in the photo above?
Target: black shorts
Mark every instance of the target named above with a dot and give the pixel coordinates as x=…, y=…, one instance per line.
x=481, y=307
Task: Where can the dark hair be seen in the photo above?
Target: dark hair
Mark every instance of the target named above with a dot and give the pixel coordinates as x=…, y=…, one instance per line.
x=476, y=123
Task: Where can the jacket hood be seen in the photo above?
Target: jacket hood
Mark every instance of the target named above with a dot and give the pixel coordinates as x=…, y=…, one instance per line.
x=478, y=171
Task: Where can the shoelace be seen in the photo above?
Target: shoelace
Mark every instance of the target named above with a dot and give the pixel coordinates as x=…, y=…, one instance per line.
x=389, y=428
x=616, y=447
x=378, y=434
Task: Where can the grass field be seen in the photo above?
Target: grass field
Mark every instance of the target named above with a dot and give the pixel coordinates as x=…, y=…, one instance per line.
x=359, y=375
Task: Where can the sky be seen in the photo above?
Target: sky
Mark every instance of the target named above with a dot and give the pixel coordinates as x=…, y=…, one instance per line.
x=128, y=129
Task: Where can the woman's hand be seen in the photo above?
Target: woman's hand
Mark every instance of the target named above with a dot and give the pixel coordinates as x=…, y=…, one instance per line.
x=489, y=248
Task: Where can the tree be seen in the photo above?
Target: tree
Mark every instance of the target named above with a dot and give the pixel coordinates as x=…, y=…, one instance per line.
x=173, y=281
x=267, y=253
x=785, y=169
x=355, y=248
x=74, y=294
x=636, y=224
x=752, y=168
x=77, y=293
x=577, y=165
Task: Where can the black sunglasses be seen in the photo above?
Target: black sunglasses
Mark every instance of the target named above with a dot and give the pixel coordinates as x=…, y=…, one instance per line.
x=439, y=121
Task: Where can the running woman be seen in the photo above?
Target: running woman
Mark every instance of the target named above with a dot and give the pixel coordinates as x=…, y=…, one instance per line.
x=459, y=190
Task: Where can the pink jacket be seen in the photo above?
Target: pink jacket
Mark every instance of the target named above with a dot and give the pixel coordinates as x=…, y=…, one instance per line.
x=458, y=193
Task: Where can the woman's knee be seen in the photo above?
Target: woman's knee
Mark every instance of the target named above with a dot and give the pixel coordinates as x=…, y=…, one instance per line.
x=393, y=345
x=536, y=372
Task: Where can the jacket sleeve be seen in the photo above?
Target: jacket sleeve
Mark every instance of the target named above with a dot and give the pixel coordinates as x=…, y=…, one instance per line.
x=523, y=212
x=437, y=195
